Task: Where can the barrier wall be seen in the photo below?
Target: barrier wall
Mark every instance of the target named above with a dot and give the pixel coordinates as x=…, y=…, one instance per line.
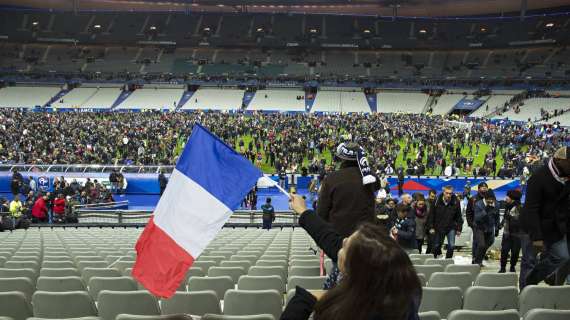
x=147, y=183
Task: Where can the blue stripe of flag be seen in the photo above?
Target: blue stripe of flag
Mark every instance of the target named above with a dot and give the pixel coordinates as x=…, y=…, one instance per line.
x=217, y=168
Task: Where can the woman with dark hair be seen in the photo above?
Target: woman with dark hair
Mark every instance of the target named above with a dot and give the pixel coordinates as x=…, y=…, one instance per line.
x=377, y=279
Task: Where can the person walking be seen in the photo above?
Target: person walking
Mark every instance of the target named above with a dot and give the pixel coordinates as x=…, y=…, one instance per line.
x=545, y=217
x=511, y=242
x=445, y=221
x=485, y=226
x=268, y=214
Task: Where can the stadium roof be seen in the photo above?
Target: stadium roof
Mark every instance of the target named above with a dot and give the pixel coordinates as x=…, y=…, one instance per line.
x=406, y=8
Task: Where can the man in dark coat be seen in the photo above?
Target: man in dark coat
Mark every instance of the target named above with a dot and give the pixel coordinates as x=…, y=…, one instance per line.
x=511, y=242
x=485, y=226
x=162, y=182
x=482, y=188
x=545, y=217
x=445, y=220
x=347, y=196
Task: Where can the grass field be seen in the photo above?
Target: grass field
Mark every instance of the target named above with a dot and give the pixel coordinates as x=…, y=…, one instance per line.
x=400, y=161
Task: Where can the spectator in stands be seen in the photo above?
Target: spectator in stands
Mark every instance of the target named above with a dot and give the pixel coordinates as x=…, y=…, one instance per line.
x=511, y=242
x=400, y=182
x=268, y=214
x=162, y=182
x=546, y=219
x=404, y=228
x=445, y=220
x=16, y=208
x=347, y=195
x=16, y=183
x=482, y=189
x=114, y=181
x=485, y=226
x=420, y=212
x=59, y=208
x=361, y=293
x=40, y=210
x=121, y=183
x=33, y=185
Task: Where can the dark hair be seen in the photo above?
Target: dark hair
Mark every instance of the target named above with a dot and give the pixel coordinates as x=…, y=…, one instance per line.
x=432, y=191
x=268, y=200
x=488, y=195
x=402, y=207
x=379, y=279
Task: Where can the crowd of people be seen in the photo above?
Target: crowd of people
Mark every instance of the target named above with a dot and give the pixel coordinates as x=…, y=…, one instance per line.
x=300, y=143
x=32, y=204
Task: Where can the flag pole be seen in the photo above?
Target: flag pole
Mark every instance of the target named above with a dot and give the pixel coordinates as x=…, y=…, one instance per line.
x=283, y=190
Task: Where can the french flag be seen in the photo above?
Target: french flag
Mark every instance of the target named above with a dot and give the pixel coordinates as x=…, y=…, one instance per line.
x=208, y=183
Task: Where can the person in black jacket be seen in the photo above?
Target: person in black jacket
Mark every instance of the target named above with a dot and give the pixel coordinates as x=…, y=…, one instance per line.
x=378, y=279
x=545, y=217
x=162, y=182
x=485, y=226
x=482, y=188
x=347, y=196
x=445, y=220
x=404, y=228
x=511, y=242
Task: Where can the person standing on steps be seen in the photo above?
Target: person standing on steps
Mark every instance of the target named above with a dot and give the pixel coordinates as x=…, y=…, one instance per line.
x=511, y=242
x=268, y=214
x=445, y=221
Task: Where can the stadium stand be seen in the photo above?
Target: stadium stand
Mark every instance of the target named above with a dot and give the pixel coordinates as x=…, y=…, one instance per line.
x=278, y=100
x=531, y=109
x=445, y=103
x=394, y=102
x=340, y=101
x=118, y=294
x=215, y=99
x=26, y=97
x=158, y=99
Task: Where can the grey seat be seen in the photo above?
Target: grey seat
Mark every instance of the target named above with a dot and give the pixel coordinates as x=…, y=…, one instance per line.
x=442, y=300
x=305, y=263
x=122, y=265
x=232, y=272
x=247, y=317
x=488, y=279
x=268, y=271
x=272, y=263
x=88, y=273
x=462, y=280
x=473, y=269
x=250, y=258
x=491, y=299
x=242, y=264
x=98, y=284
x=34, y=265
x=245, y=302
x=82, y=265
x=483, y=315
x=58, y=264
x=547, y=314
x=216, y=259
x=217, y=284
x=442, y=262
x=274, y=257
x=20, y=284
x=59, y=305
x=305, y=271
x=60, y=284
x=13, y=273
x=533, y=297
x=79, y=318
x=309, y=283
x=196, y=303
x=429, y=315
x=14, y=304
x=428, y=270
x=261, y=283
x=55, y=272
x=113, y=303
x=422, y=257
x=164, y=317
x=204, y=265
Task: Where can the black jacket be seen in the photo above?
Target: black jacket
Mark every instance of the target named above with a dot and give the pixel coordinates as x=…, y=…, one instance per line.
x=444, y=218
x=344, y=201
x=470, y=210
x=511, y=219
x=303, y=302
x=545, y=212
